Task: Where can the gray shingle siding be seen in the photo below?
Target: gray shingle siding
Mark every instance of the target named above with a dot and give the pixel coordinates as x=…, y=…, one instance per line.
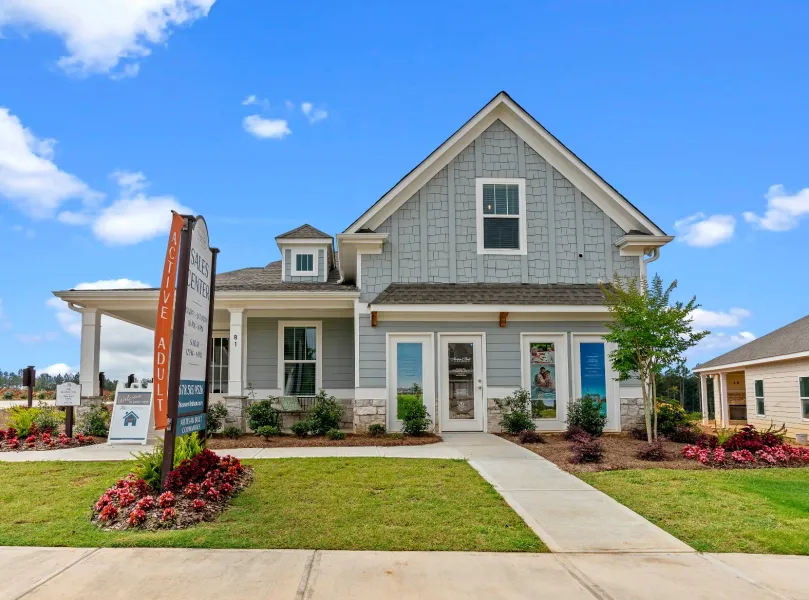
x=337, y=353
x=321, y=268
x=498, y=152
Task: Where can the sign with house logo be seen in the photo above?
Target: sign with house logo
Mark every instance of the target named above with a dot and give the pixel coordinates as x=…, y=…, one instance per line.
x=68, y=394
x=131, y=416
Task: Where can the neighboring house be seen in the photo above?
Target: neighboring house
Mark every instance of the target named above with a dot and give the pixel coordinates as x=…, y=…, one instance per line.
x=765, y=382
x=476, y=274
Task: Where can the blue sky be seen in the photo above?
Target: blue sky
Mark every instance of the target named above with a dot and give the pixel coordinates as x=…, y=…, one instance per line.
x=116, y=110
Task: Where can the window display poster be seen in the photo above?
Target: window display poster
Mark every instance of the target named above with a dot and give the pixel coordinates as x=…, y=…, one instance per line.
x=593, y=371
x=543, y=380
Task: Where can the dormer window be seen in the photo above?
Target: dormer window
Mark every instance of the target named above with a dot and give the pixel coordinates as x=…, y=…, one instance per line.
x=501, y=227
x=304, y=263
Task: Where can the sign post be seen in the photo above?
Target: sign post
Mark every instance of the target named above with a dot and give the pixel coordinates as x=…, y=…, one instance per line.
x=68, y=395
x=186, y=392
x=29, y=379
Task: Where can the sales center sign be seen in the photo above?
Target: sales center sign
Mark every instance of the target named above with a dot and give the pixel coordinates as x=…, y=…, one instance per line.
x=193, y=369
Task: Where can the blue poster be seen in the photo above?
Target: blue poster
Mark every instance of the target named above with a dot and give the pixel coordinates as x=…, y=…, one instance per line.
x=593, y=372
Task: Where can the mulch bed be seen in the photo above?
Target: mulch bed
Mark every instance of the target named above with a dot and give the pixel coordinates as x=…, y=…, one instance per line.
x=43, y=443
x=619, y=453
x=249, y=440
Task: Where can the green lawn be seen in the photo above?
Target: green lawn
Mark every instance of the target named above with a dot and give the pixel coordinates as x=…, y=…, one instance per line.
x=752, y=511
x=328, y=503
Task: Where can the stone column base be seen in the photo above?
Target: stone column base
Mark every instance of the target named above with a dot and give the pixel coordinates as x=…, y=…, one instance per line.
x=237, y=412
x=631, y=413
x=367, y=412
x=494, y=414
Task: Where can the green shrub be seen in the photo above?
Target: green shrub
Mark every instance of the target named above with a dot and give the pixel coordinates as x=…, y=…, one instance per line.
x=415, y=420
x=216, y=415
x=96, y=421
x=326, y=414
x=262, y=414
x=49, y=418
x=670, y=417
x=41, y=395
x=8, y=395
x=531, y=437
x=376, y=429
x=516, y=416
x=302, y=427
x=148, y=465
x=186, y=447
x=585, y=413
x=233, y=433
x=267, y=431
x=22, y=418
x=335, y=434
x=404, y=401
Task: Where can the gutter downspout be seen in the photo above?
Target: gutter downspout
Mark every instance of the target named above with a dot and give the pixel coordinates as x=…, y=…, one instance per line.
x=653, y=256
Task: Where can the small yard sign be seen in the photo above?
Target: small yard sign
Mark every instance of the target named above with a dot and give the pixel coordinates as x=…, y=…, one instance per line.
x=68, y=394
x=131, y=416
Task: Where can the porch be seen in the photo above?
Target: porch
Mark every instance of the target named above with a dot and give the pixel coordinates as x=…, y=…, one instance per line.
x=724, y=398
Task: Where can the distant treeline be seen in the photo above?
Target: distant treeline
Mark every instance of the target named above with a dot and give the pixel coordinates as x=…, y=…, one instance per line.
x=48, y=383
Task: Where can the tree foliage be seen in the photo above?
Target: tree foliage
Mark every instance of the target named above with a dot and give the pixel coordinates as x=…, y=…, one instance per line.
x=651, y=334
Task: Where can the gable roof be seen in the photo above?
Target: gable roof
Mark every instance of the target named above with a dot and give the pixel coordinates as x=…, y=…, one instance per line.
x=516, y=118
x=305, y=231
x=585, y=294
x=789, y=339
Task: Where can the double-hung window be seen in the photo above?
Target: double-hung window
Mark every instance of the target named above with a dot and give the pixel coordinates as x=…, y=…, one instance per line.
x=299, y=349
x=758, y=384
x=501, y=216
x=803, y=383
x=220, y=361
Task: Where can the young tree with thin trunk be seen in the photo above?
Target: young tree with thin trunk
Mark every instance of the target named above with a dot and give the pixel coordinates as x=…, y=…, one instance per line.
x=650, y=334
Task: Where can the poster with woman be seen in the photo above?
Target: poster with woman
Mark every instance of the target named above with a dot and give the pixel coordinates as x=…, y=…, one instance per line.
x=543, y=380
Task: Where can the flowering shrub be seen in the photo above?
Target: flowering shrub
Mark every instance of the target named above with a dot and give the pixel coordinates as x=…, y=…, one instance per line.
x=37, y=438
x=201, y=489
x=749, y=438
x=775, y=455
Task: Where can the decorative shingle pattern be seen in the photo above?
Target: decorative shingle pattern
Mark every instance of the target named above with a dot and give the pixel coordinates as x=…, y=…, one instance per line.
x=305, y=231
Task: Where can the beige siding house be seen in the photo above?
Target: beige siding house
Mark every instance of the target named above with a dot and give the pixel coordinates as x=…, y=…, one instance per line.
x=765, y=382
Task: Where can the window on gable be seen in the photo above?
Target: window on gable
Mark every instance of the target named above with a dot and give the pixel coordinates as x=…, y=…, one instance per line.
x=803, y=382
x=304, y=263
x=759, y=389
x=501, y=222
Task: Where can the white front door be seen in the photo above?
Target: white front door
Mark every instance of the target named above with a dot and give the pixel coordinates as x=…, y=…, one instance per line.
x=410, y=375
x=462, y=386
x=593, y=374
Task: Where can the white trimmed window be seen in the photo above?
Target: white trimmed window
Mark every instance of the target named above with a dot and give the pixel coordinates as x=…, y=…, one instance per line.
x=220, y=361
x=758, y=384
x=501, y=226
x=304, y=262
x=300, y=346
x=803, y=383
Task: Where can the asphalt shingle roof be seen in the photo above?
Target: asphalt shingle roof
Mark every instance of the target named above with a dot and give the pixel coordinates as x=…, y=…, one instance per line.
x=305, y=231
x=269, y=279
x=789, y=339
x=491, y=293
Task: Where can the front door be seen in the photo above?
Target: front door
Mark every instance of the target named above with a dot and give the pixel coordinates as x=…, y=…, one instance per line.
x=410, y=375
x=462, y=382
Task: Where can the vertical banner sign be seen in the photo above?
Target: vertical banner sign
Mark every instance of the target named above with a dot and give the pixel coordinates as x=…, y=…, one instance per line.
x=165, y=318
x=593, y=371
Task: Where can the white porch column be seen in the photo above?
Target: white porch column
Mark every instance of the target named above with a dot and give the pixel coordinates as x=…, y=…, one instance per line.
x=724, y=396
x=89, y=364
x=717, y=401
x=237, y=352
x=703, y=395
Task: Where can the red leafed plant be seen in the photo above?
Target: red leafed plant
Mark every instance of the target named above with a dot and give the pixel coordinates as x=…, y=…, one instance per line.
x=198, y=504
x=169, y=514
x=225, y=488
x=146, y=503
x=109, y=512
x=136, y=517
x=165, y=500
x=192, y=490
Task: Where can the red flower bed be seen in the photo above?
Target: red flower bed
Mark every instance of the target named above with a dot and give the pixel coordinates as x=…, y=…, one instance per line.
x=38, y=440
x=198, y=490
x=748, y=447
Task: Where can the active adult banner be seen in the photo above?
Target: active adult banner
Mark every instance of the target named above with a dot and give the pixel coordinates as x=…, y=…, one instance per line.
x=165, y=318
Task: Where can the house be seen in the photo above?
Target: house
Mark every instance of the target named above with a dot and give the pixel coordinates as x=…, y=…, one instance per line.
x=130, y=419
x=475, y=274
x=765, y=382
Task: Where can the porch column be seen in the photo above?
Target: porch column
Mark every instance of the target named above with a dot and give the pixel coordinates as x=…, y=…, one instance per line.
x=723, y=377
x=717, y=402
x=703, y=396
x=236, y=355
x=89, y=364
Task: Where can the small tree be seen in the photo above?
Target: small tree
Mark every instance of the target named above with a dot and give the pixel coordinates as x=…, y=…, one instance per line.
x=650, y=333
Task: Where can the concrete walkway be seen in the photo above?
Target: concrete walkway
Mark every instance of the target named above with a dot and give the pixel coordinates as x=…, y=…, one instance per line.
x=112, y=573
x=566, y=513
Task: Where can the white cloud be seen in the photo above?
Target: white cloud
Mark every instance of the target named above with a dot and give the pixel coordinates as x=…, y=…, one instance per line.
x=784, y=211
x=101, y=35
x=35, y=338
x=29, y=178
x=125, y=348
x=266, y=128
x=313, y=114
x=26, y=231
x=725, y=341
x=703, y=232
x=70, y=217
x=135, y=217
x=708, y=318
x=56, y=369
x=253, y=100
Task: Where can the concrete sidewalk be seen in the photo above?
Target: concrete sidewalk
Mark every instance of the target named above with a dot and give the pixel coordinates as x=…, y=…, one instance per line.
x=566, y=513
x=110, y=574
